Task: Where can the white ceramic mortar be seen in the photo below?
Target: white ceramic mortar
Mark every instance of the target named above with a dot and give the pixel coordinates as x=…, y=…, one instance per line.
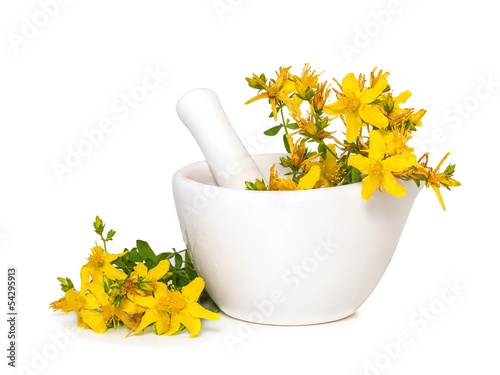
x=287, y=257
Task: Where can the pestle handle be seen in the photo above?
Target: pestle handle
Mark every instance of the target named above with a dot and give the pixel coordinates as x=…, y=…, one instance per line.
x=231, y=164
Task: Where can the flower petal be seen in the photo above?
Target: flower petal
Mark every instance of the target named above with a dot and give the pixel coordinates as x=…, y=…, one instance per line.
x=289, y=104
x=370, y=184
x=175, y=324
x=440, y=197
x=309, y=180
x=191, y=323
x=81, y=323
x=90, y=302
x=127, y=320
x=149, y=317
x=163, y=324
x=360, y=162
x=337, y=108
x=441, y=162
x=113, y=273
x=108, y=258
x=148, y=301
x=398, y=163
x=350, y=85
x=141, y=270
x=97, y=275
x=95, y=320
x=98, y=291
x=160, y=270
x=401, y=98
x=377, y=146
x=354, y=125
x=128, y=306
x=198, y=311
x=288, y=86
x=97, y=251
x=392, y=186
x=373, y=116
x=370, y=95
x=193, y=290
x=84, y=279
x=263, y=95
x=281, y=76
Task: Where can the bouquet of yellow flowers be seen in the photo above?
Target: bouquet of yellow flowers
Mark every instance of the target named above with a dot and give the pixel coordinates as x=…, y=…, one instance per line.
x=377, y=129
x=137, y=288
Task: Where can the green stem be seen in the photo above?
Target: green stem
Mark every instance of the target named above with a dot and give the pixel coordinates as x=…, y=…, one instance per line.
x=327, y=148
x=283, y=119
x=104, y=243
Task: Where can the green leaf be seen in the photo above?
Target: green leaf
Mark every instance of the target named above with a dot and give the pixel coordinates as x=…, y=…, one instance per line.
x=356, y=175
x=273, y=131
x=212, y=306
x=181, y=275
x=178, y=260
x=134, y=256
x=285, y=141
x=150, y=264
x=146, y=252
x=292, y=125
x=323, y=150
x=163, y=256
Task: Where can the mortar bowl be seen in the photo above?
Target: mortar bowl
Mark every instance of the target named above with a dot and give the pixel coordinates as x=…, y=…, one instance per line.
x=287, y=257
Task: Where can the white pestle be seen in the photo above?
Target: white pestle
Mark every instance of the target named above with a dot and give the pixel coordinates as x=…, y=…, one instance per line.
x=231, y=164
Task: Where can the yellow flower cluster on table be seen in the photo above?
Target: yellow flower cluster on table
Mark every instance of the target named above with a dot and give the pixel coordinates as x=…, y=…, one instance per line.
x=137, y=289
x=376, y=128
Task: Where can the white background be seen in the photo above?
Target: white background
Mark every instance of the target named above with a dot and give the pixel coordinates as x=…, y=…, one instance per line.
x=63, y=78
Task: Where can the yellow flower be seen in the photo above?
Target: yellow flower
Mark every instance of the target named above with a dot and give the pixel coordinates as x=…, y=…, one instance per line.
x=306, y=125
x=331, y=173
x=416, y=117
x=321, y=96
x=375, y=78
x=398, y=100
x=169, y=308
x=99, y=263
x=355, y=104
x=106, y=313
x=380, y=171
x=398, y=114
x=280, y=184
x=297, y=151
x=151, y=276
x=395, y=141
x=436, y=179
x=275, y=92
x=143, y=281
x=72, y=301
x=306, y=182
x=308, y=80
